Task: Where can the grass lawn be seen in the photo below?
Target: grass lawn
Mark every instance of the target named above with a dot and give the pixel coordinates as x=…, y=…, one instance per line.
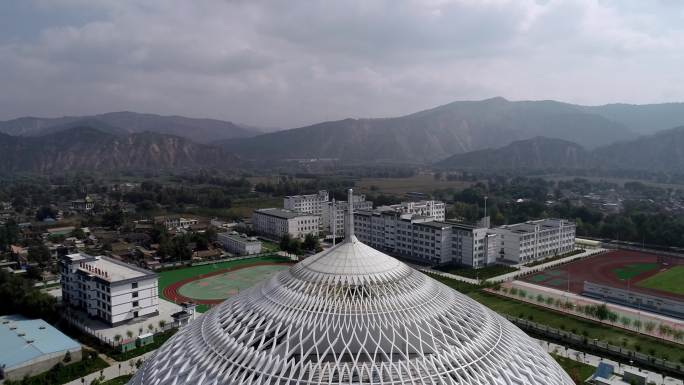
x=122, y=380
x=551, y=259
x=577, y=370
x=240, y=208
x=483, y=273
x=424, y=183
x=463, y=287
x=633, y=269
x=671, y=280
x=61, y=374
x=159, y=340
x=269, y=247
x=169, y=277
x=592, y=330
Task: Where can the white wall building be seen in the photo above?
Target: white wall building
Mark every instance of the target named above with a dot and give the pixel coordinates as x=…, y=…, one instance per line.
x=309, y=203
x=425, y=239
x=433, y=209
x=275, y=223
x=239, y=244
x=333, y=214
x=175, y=222
x=534, y=240
x=108, y=289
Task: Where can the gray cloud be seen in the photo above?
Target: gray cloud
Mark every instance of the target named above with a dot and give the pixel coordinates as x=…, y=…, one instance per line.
x=289, y=63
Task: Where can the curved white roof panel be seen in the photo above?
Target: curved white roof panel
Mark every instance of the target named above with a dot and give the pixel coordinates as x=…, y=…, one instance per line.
x=351, y=315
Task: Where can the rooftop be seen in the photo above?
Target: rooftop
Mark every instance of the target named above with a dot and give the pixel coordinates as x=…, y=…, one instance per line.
x=107, y=268
x=26, y=339
x=529, y=226
x=239, y=237
x=351, y=315
x=282, y=213
x=435, y=224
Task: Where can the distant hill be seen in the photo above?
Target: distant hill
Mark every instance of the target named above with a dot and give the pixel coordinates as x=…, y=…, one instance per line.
x=663, y=151
x=642, y=119
x=535, y=153
x=435, y=134
x=89, y=149
x=122, y=123
x=660, y=152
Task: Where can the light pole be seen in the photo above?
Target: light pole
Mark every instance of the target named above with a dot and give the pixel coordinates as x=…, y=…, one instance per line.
x=485, y=206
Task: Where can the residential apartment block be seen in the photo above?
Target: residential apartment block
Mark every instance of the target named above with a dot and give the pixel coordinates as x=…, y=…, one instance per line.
x=430, y=240
x=239, y=244
x=425, y=239
x=175, y=222
x=108, y=289
x=533, y=240
x=309, y=203
x=334, y=213
x=275, y=223
x=433, y=209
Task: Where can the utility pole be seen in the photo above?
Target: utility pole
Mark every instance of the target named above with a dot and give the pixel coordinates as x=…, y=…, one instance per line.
x=334, y=215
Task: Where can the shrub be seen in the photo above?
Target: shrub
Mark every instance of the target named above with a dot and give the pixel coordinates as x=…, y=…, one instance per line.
x=625, y=321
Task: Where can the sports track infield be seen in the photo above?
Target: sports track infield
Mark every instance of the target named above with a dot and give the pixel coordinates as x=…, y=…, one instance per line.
x=671, y=280
x=171, y=282
x=637, y=271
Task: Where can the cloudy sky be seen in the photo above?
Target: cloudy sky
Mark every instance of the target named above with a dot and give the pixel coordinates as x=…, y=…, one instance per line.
x=292, y=62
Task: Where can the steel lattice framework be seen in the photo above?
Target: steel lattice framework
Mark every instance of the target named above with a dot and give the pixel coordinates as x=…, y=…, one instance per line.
x=351, y=315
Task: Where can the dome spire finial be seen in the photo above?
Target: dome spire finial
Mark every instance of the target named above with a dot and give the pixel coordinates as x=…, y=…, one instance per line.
x=350, y=214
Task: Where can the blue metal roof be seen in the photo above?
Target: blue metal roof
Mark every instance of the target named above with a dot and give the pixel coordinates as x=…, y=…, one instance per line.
x=27, y=339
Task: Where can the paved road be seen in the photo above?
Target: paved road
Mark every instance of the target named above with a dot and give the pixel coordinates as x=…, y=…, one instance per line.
x=595, y=360
x=128, y=367
x=443, y=274
x=524, y=269
x=113, y=371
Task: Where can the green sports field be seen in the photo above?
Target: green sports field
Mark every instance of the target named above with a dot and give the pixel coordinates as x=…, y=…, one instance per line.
x=670, y=280
x=167, y=278
x=633, y=269
x=222, y=286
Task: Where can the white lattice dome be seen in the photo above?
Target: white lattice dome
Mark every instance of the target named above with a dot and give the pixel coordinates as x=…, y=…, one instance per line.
x=351, y=315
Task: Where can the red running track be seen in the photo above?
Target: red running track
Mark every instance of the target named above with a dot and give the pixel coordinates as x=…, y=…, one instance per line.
x=601, y=269
x=171, y=292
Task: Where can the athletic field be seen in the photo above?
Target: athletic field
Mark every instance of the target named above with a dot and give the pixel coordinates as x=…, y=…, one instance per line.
x=221, y=286
x=209, y=284
x=631, y=270
x=671, y=280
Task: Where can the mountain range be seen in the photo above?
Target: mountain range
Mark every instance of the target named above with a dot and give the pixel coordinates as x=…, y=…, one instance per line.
x=486, y=132
x=435, y=134
x=89, y=149
x=123, y=123
x=536, y=153
x=662, y=152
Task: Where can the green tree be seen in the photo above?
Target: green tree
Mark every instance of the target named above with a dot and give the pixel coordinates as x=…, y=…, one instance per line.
x=625, y=321
x=46, y=212
x=602, y=312
x=113, y=218
x=78, y=233
x=9, y=234
x=311, y=242
x=39, y=253
x=285, y=242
